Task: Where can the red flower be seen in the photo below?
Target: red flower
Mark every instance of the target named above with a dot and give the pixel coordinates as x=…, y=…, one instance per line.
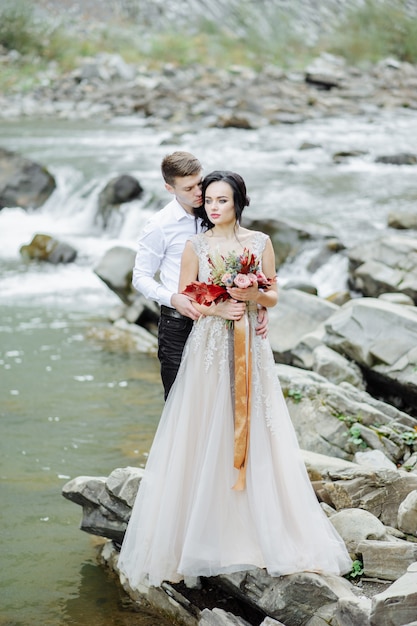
x=205, y=293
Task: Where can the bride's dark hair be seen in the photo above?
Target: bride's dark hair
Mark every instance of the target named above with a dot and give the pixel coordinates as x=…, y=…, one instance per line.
x=240, y=197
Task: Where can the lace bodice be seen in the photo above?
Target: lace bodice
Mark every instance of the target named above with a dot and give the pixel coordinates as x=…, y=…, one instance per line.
x=256, y=244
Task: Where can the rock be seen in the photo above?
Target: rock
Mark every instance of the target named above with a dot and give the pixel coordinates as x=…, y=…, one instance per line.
x=123, y=188
x=292, y=599
x=387, y=560
x=332, y=418
x=407, y=515
x=115, y=270
x=355, y=525
x=23, y=183
x=326, y=72
x=402, y=220
x=46, y=248
x=289, y=239
x=336, y=368
x=397, y=298
x=218, y=617
x=387, y=264
x=298, y=313
x=352, y=612
x=397, y=605
x=106, y=502
x=398, y=159
x=359, y=331
x=380, y=491
x=373, y=458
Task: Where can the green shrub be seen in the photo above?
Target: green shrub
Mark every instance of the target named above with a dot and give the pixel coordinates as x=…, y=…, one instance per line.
x=17, y=27
x=375, y=30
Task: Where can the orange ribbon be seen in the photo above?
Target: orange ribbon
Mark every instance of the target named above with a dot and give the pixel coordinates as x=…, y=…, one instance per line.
x=243, y=382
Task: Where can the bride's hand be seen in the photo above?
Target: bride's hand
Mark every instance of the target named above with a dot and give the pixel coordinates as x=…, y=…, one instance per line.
x=244, y=294
x=230, y=309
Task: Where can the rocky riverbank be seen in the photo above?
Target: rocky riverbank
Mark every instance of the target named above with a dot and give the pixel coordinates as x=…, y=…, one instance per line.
x=180, y=99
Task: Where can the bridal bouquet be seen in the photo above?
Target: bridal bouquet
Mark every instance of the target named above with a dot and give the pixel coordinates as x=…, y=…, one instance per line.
x=241, y=270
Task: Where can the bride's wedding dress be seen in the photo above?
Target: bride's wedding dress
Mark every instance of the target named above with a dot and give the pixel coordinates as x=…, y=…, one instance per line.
x=187, y=520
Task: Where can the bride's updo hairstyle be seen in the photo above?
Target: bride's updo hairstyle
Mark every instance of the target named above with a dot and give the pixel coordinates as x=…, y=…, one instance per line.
x=240, y=197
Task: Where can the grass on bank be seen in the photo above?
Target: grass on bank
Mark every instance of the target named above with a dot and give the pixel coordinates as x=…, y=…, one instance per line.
x=373, y=30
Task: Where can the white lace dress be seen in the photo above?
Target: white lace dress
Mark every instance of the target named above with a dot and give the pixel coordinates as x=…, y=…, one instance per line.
x=187, y=520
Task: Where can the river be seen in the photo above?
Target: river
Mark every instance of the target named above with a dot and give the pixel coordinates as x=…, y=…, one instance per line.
x=71, y=405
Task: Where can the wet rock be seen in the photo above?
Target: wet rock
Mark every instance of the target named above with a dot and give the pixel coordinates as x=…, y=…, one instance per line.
x=119, y=190
x=46, y=248
x=398, y=159
x=115, y=269
x=401, y=220
x=106, y=501
x=23, y=182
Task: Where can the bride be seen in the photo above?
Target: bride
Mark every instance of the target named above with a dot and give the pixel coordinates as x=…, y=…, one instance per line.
x=225, y=487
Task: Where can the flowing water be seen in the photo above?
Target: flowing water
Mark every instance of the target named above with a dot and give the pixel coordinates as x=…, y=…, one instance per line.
x=73, y=406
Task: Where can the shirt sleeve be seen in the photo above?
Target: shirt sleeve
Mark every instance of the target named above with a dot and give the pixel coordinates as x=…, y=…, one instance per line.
x=151, y=251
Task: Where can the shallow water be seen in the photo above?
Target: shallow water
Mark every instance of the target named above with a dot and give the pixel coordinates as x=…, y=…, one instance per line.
x=72, y=406
x=69, y=407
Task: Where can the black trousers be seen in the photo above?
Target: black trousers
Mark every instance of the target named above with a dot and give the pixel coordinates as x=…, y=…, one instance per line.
x=172, y=334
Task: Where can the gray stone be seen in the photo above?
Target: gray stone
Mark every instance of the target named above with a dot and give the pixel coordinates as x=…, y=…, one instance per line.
x=373, y=458
x=325, y=416
x=298, y=313
x=46, y=248
x=397, y=298
x=292, y=599
x=359, y=331
x=353, y=612
x=402, y=220
x=397, y=605
x=378, y=491
x=387, y=560
x=335, y=367
x=219, y=617
x=115, y=270
x=407, y=515
x=387, y=264
x=23, y=182
x=355, y=525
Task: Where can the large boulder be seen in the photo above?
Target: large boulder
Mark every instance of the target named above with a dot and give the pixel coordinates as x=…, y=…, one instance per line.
x=339, y=420
x=289, y=238
x=397, y=605
x=47, y=248
x=297, y=314
x=387, y=264
x=115, y=270
x=381, y=337
x=117, y=191
x=23, y=182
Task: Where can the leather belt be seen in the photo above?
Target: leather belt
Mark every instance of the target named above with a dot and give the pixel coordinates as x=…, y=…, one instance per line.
x=169, y=312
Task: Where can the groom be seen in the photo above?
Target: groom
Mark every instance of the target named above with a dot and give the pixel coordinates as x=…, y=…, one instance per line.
x=160, y=248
